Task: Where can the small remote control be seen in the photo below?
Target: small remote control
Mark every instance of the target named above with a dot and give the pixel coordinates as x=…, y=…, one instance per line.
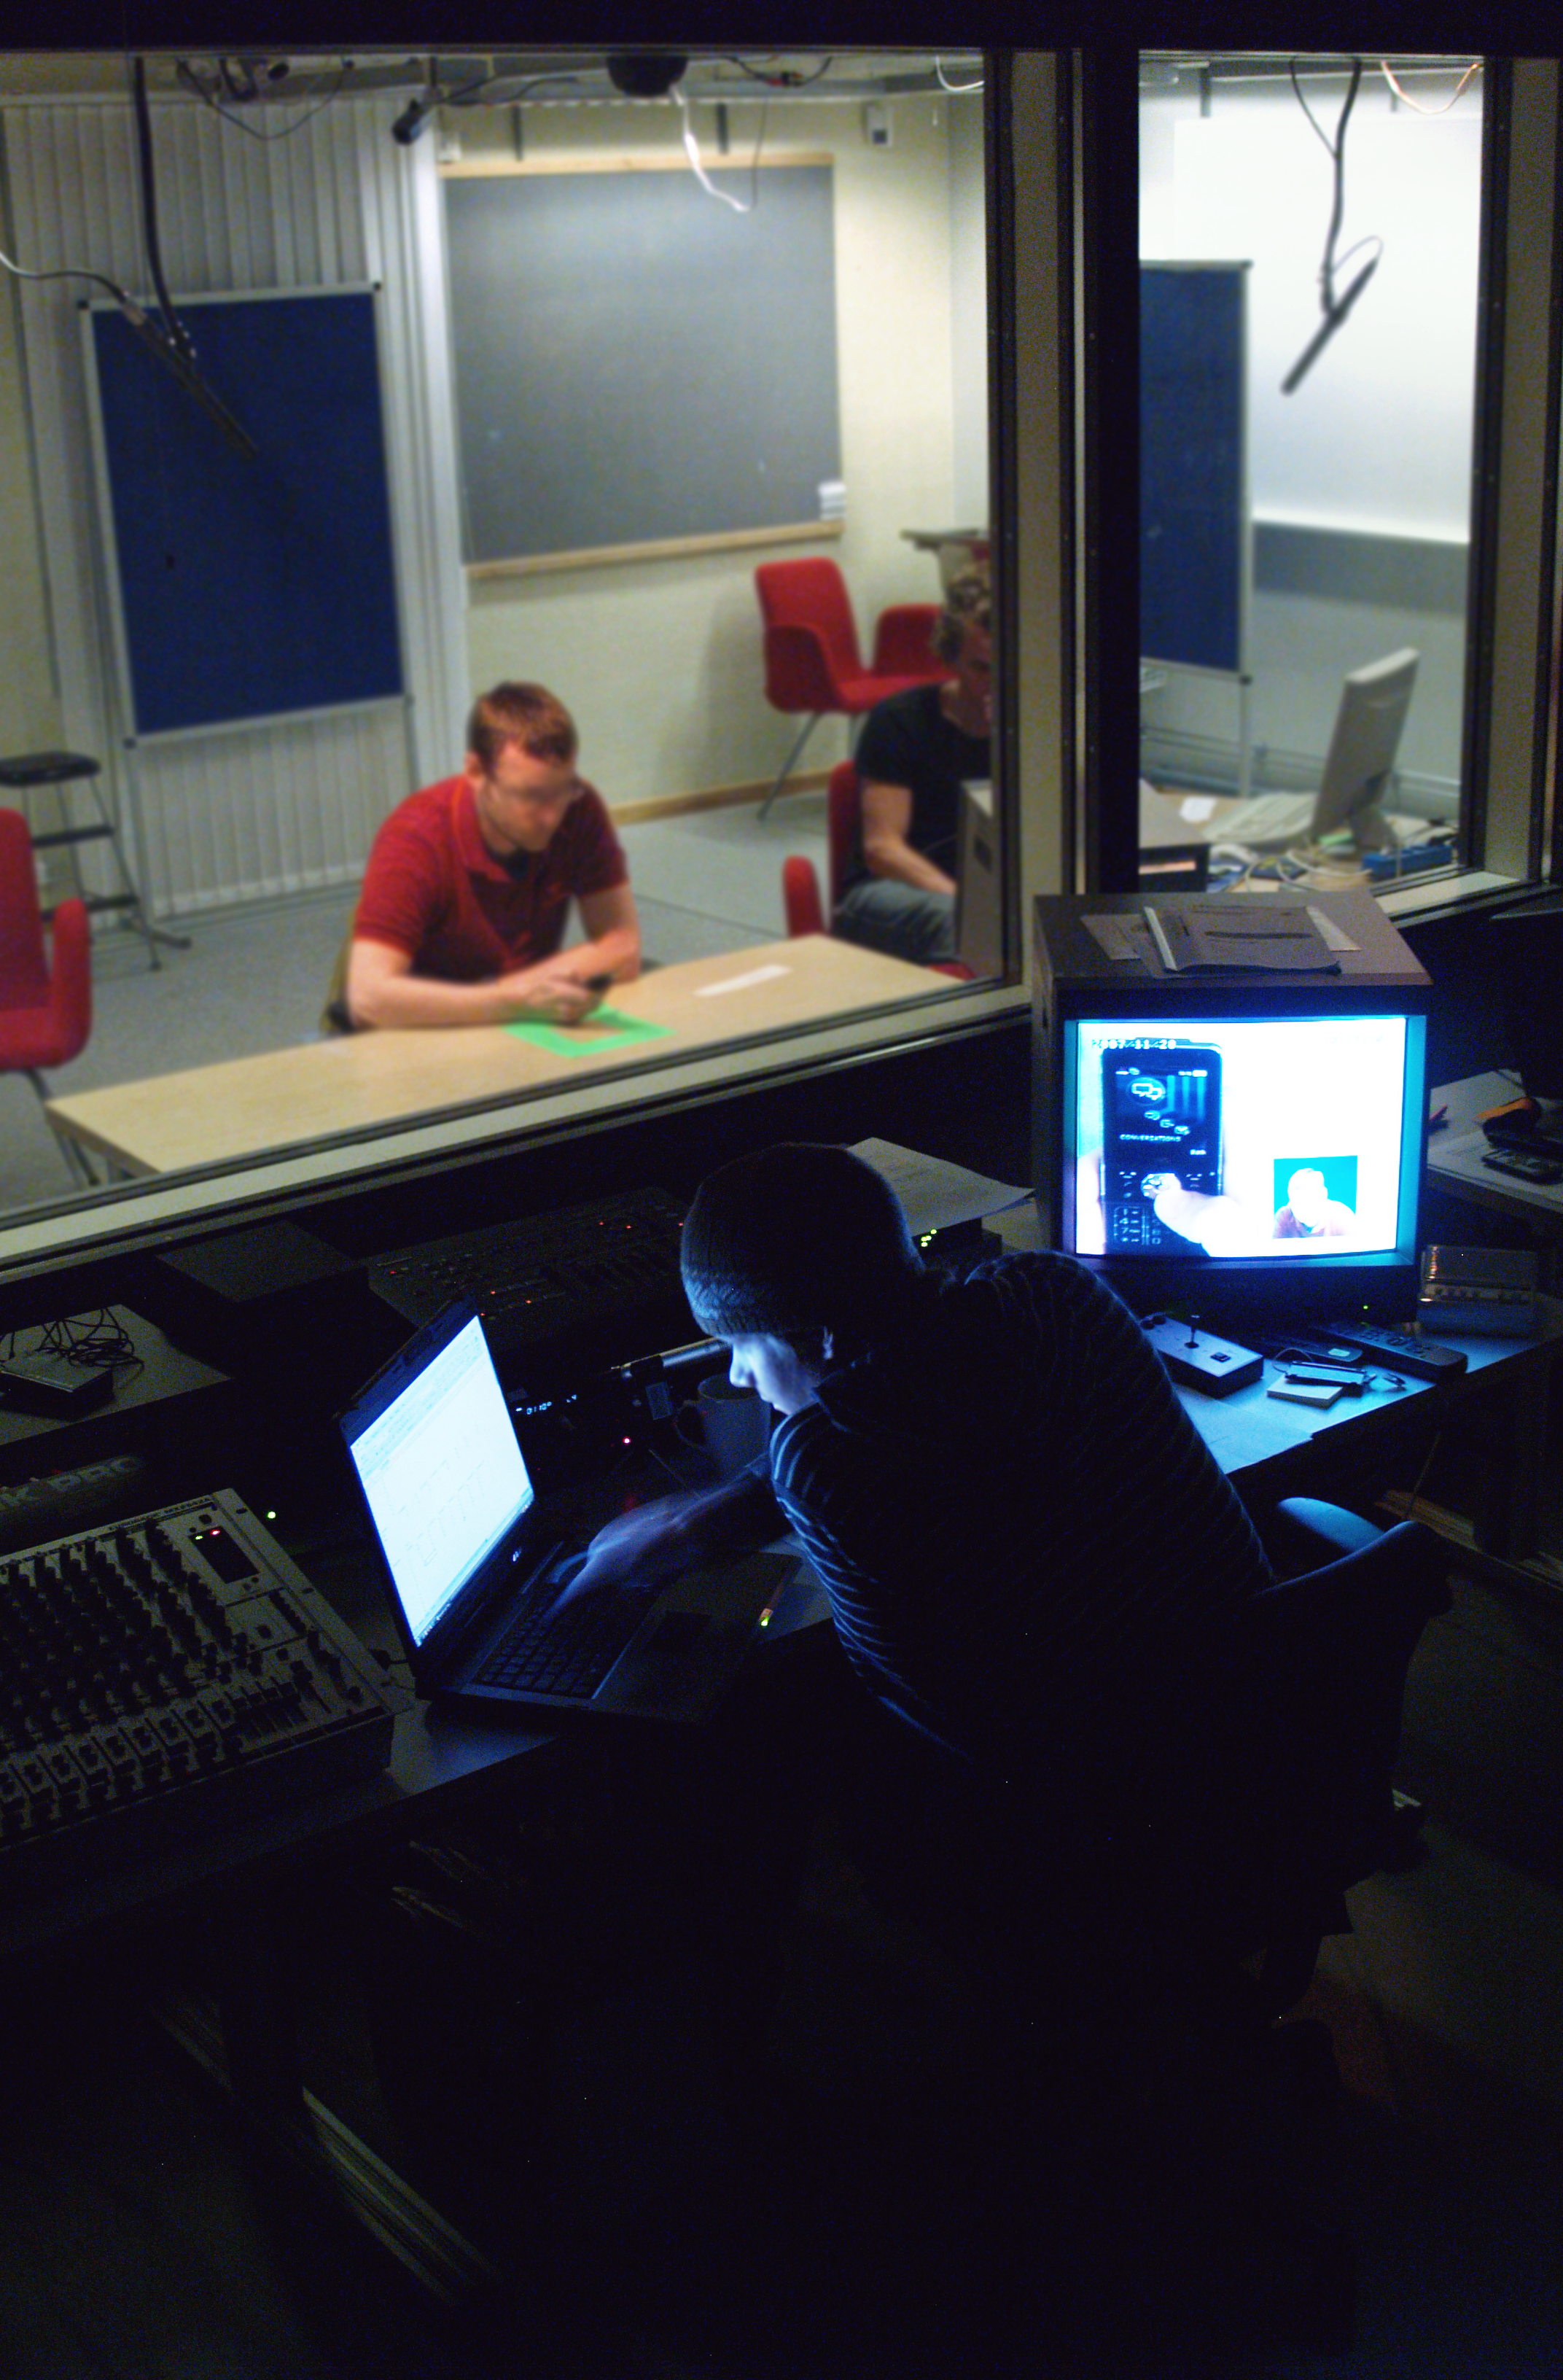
x=1424, y=1359
x=1524, y=1164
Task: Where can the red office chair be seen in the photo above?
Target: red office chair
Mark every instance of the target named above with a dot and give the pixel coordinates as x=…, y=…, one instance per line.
x=801, y=904
x=45, y=1000
x=812, y=660
x=804, y=911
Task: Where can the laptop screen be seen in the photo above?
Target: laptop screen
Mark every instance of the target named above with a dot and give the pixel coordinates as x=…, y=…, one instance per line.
x=441, y=1474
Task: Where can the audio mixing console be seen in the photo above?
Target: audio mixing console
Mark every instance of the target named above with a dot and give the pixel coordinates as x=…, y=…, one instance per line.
x=165, y=1674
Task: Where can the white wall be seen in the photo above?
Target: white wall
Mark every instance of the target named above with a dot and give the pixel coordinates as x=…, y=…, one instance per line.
x=30, y=708
x=1363, y=473
x=661, y=661
x=968, y=239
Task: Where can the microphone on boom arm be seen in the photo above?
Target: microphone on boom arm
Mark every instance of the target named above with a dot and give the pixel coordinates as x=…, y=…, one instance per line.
x=1333, y=318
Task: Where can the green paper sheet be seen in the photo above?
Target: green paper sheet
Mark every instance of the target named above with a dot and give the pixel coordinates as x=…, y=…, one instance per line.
x=605, y=1029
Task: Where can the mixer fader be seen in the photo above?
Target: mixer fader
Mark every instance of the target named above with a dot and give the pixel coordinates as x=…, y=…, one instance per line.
x=166, y=1673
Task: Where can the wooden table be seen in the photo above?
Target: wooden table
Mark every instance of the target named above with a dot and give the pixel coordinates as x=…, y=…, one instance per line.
x=357, y=1082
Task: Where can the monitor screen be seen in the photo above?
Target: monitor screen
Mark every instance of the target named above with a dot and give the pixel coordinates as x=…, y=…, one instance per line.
x=1373, y=703
x=438, y=1465
x=1253, y=1145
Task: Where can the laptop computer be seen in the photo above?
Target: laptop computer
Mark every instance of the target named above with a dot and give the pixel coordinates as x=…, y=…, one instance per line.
x=475, y=1568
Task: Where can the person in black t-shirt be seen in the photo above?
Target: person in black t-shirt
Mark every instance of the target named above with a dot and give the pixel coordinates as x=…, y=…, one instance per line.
x=915, y=751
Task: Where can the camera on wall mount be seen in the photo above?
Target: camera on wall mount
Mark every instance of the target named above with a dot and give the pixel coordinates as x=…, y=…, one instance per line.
x=646, y=74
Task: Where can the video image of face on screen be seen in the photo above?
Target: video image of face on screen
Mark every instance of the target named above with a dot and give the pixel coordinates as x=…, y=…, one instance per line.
x=1278, y=1136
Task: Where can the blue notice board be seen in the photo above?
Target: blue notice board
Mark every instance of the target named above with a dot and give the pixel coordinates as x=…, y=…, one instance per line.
x=1194, y=481
x=249, y=589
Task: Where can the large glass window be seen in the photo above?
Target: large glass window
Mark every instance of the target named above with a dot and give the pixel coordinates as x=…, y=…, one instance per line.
x=223, y=897
x=1310, y=244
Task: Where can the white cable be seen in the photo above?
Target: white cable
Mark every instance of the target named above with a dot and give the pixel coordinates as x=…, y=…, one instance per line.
x=691, y=150
x=954, y=88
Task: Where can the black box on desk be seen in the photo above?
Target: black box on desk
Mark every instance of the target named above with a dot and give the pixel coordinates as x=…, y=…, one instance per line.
x=1479, y=1293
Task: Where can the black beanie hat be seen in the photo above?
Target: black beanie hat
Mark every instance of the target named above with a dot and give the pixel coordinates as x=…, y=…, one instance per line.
x=798, y=1237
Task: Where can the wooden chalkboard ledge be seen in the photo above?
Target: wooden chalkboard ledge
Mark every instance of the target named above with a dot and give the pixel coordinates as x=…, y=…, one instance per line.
x=662, y=548
x=714, y=798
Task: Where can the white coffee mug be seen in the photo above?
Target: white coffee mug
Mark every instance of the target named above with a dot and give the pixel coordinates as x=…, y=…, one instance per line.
x=733, y=1424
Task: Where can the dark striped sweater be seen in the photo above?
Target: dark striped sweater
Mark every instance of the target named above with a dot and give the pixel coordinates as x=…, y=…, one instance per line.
x=1020, y=1529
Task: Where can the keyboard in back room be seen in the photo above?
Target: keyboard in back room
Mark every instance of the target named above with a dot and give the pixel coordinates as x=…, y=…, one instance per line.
x=599, y=1275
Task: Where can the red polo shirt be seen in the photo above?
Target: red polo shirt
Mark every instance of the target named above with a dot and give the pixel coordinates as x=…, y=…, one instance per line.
x=434, y=889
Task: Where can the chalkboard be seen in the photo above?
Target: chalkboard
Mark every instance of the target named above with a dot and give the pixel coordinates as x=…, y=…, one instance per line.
x=1193, y=485
x=247, y=589
x=635, y=362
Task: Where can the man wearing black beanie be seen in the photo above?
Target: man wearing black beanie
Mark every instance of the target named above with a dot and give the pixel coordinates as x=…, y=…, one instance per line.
x=1026, y=1545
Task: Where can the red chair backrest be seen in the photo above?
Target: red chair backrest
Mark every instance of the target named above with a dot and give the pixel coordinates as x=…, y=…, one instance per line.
x=24, y=972
x=811, y=593
x=843, y=811
x=800, y=896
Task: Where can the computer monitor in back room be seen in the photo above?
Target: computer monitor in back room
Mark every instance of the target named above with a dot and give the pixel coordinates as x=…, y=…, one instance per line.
x=1373, y=703
x=1364, y=743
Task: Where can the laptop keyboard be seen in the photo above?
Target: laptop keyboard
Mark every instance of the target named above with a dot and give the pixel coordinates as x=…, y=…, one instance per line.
x=567, y=1652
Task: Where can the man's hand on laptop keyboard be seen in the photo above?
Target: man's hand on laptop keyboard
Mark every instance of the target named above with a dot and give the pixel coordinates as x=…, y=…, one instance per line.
x=645, y=1547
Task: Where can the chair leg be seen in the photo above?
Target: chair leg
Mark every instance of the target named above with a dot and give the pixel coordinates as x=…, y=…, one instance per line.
x=787, y=765
x=76, y=1161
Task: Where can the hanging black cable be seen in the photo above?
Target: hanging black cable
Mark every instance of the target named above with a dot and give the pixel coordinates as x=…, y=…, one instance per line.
x=1335, y=311
x=167, y=337
x=182, y=343
x=1336, y=149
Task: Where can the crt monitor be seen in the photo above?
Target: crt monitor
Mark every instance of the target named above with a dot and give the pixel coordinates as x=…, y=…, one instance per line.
x=1261, y=1170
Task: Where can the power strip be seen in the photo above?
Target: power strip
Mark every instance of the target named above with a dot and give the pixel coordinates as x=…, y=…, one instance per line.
x=1423, y=1359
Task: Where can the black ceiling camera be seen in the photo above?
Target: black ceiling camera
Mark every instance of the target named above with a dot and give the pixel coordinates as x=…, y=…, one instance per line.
x=646, y=74
x=413, y=118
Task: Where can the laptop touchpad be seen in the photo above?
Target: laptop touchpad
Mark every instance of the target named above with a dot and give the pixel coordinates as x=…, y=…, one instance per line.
x=677, y=1631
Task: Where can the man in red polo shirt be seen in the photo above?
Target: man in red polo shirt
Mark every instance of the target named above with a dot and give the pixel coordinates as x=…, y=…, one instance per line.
x=469, y=883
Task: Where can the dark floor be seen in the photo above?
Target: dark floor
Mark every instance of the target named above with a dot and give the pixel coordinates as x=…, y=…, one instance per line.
x=890, y=2226
x=890, y=2203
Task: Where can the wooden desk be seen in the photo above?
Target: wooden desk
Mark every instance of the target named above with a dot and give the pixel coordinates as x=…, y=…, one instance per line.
x=210, y=1115
x=1270, y=1448
x=252, y=1879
